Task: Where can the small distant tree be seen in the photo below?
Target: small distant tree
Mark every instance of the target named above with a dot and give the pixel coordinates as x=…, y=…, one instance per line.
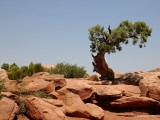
x=5, y=66
x=38, y=68
x=24, y=71
x=31, y=70
x=110, y=41
x=14, y=72
x=13, y=66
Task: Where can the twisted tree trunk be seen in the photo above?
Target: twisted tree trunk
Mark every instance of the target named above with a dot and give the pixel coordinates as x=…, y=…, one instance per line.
x=102, y=67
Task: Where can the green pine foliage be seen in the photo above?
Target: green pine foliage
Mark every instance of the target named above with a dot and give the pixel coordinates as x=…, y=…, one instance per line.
x=17, y=73
x=5, y=66
x=69, y=70
x=38, y=68
x=111, y=41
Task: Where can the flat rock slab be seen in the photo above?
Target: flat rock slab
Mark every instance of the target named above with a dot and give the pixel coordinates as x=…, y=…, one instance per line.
x=116, y=91
x=45, y=109
x=133, y=101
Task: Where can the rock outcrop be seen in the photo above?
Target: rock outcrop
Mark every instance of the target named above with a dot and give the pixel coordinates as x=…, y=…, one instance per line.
x=76, y=107
x=8, y=109
x=67, y=99
x=82, y=89
x=107, y=91
x=134, y=102
x=39, y=81
x=45, y=109
x=11, y=86
x=116, y=91
x=149, y=85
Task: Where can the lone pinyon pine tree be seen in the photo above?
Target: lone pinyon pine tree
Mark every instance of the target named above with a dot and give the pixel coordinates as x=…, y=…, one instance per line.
x=110, y=41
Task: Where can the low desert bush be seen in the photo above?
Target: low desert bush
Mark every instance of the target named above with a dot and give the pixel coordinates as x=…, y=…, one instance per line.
x=15, y=72
x=40, y=94
x=69, y=70
x=21, y=106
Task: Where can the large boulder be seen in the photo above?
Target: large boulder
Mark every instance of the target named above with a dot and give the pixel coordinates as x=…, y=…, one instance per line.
x=134, y=102
x=127, y=90
x=78, y=87
x=11, y=86
x=77, y=108
x=107, y=91
x=58, y=79
x=8, y=109
x=149, y=85
x=116, y=91
x=35, y=84
x=45, y=109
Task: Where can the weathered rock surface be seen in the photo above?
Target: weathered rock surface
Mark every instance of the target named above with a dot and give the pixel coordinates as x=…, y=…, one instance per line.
x=93, y=77
x=22, y=117
x=11, y=86
x=90, y=82
x=128, y=90
x=9, y=95
x=36, y=84
x=116, y=91
x=107, y=91
x=134, y=102
x=3, y=74
x=77, y=108
x=39, y=81
x=45, y=109
x=78, y=87
x=58, y=79
x=149, y=85
x=8, y=109
x=69, y=95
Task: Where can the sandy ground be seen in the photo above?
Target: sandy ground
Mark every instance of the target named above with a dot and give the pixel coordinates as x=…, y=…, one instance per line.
x=123, y=116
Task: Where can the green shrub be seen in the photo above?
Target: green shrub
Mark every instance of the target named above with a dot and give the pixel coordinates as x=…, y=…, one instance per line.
x=40, y=94
x=38, y=68
x=31, y=70
x=5, y=66
x=24, y=71
x=21, y=106
x=68, y=70
x=15, y=73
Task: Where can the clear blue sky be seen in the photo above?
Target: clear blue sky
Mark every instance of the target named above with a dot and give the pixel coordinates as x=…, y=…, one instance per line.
x=51, y=31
